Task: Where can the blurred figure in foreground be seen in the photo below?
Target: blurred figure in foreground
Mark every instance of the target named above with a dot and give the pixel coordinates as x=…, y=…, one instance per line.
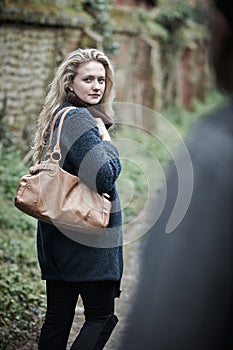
x=184, y=299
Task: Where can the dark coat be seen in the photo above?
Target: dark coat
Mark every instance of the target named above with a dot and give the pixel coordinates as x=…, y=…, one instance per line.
x=81, y=257
x=185, y=295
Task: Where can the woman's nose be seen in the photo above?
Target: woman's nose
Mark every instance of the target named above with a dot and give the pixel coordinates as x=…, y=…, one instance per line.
x=96, y=85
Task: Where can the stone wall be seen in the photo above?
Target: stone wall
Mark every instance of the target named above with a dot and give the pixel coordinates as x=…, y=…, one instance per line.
x=29, y=57
x=148, y=72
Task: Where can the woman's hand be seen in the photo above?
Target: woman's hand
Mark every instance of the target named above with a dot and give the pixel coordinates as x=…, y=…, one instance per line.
x=102, y=130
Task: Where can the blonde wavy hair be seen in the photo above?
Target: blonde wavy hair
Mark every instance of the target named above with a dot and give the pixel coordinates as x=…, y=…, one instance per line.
x=59, y=87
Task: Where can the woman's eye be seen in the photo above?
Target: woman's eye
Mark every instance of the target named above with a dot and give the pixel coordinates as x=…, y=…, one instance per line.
x=90, y=79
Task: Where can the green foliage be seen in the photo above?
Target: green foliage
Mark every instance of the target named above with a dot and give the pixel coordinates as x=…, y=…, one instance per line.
x=151, y=146
x=11, y=168
x=9, y=171
x=136, y=171
x=138, y=183
x=100, y=10
x=149, y=25
x=177, y=10
x=21, y=301
x=184, y=119
x=173, y=14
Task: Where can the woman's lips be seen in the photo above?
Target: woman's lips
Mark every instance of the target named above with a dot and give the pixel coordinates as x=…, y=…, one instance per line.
x=94, y=95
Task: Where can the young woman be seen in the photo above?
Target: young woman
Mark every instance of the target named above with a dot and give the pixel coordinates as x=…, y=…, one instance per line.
x=90, y=268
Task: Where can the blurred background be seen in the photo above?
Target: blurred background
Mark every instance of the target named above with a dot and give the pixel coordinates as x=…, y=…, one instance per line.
x=160, y=52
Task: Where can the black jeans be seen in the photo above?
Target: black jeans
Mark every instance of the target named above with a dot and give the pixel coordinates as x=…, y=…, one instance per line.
x=98, y=302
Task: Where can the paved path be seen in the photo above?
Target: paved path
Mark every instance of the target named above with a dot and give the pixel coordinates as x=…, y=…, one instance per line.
x=131, y=267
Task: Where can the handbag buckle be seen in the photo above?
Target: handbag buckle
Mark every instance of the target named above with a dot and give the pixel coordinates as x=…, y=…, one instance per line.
x=56, y=155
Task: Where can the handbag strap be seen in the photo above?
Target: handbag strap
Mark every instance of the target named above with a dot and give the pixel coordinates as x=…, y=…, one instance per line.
x=56, y=148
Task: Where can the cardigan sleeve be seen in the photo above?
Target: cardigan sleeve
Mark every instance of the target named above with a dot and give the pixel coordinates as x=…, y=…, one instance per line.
x=84, y=153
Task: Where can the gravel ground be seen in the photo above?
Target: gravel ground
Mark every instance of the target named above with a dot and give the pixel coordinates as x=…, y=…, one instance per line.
x=129, y=280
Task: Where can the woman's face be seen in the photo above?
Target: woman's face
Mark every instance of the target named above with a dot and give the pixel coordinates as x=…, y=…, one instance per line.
x=89, y=82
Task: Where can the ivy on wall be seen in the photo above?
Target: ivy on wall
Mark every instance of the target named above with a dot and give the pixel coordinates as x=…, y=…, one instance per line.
x=174, y=13
x=100, y=11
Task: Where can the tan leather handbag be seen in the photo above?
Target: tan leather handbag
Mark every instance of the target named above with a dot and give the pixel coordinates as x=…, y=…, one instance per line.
x=55, y=196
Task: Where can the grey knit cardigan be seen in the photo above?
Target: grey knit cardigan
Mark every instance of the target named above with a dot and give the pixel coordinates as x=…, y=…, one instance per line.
x=80, y=257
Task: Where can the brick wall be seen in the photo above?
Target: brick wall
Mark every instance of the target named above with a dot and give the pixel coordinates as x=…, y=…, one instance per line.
x=28, y=58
